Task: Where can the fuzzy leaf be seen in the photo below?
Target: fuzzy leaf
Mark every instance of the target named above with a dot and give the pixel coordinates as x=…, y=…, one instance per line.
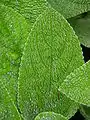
x=51, y=53
x=77, y=85
x=13, y=35
x=50, y=116
x=30, y=9
x=70, y=8
x=8, y=110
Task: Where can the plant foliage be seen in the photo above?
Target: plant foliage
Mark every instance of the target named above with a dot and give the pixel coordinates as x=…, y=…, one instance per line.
x=42, y=72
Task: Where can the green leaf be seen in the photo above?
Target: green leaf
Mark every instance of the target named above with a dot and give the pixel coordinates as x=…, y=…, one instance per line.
x=50, y=116
x=30, y=9
x=8, y=110
x=70, y=8
x=77, y=85
x=51, y=53
x=81, y=25
x=13, y=35
x=85, y=111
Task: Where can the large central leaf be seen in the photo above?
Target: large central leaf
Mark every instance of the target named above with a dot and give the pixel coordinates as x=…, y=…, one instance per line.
x=51, y=53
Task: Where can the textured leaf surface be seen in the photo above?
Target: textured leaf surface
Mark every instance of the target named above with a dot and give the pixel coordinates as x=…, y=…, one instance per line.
x=30, y=9
x=82, y=28
x=50, y=116
x=77, y=85
x=13, y=35
x=48, y=58
x=70, y=8
x=8, y=110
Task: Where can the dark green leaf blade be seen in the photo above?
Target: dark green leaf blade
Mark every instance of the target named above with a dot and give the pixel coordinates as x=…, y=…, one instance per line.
x=70, y=8
x=50, y=116
x=85, y=111
x=77, y=85
x=48, y=58
x=81, y=25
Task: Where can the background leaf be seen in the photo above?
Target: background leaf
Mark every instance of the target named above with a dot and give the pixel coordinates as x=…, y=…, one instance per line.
x=30, y=9
x=51, y=53
x=77, y=85
x=70, y=8
x=85, y=111
x=50, y=116
x=81, y=25
x=13, y=35
x=8, y=110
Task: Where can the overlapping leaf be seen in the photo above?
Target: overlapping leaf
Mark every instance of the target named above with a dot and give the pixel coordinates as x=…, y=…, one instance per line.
x=81, y=25
x=50, y=116
x=8, y=110
x=70, y=8
x=51, y=53
x=30, y=9
x=85, y=111
x=13, y=35
x=77, y=85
